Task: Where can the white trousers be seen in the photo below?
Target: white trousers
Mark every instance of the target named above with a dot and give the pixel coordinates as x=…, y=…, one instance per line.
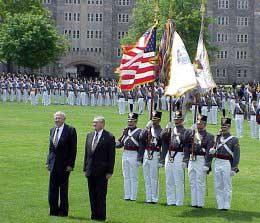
x=92, y=100
x=4, y=95
x=130, y=173
x=214, y=114
x=56, y=98
x=83, y=98
x=163, y=103
x=174, y=180
x=141, y=105
x=151, y=175
x=71, y=98
x=12, y=95
x=121, y=106
x=223, y=183
x=62, y=97
x=18, y=95
x=204, y=110
x=239, y=120
x=197, y=178
x=253, y=126
x=45, y=98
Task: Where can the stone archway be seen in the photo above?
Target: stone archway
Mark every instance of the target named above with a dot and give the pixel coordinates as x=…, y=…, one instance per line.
x=83, y=69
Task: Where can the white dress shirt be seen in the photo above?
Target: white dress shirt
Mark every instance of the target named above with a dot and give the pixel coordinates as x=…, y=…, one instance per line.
x=59, y=133
x=99, y=135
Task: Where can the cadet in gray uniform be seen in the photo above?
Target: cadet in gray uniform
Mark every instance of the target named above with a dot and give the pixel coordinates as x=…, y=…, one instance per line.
x=198, y=159
x=150, y=154
x=227, y=156
x=131, y=143
x=173, y=146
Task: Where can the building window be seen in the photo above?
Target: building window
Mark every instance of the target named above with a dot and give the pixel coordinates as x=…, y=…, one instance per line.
x=76, y=16
x=221, y=73
x=123, y=2
x=223, y=20
x=123, y=18
x=221, y=37
x=223, y=54
x=46, y=1
x=121, y=35
x=78, y=34
x=242, y=4
x=242, y=38
x=241, y=73
x=242, y=55
x=223, y=4
x=242, y=21
x=119, y=52
x=97, y=2
x=90, y=17
x=99, y=17
x=72, y=2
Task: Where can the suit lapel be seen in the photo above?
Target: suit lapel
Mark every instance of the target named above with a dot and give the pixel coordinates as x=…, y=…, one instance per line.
x=90, y=140
x=101, y=140
x=63, y=134
x=52, y=134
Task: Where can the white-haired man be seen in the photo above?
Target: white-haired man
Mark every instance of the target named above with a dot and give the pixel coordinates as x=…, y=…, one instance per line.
x=98, y=166
x=60, y=162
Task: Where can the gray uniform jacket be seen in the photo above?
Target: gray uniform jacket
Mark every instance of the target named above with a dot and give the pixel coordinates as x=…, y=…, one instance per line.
x=156, y=141
x=232, y=145
x=202, y=143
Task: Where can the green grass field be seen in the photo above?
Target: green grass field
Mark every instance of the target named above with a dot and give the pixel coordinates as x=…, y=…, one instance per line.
x=24, y=134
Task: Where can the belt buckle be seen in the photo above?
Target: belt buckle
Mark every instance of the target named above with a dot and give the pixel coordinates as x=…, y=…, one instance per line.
x=192, y=158
x=150, y=156
x=171, y=159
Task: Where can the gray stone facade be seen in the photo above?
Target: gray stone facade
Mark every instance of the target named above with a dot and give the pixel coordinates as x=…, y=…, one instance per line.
x=95, y=28
x=236, y=34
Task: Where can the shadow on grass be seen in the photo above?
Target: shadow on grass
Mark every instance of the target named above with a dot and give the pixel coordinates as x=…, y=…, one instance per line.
x=79, y=218
x=231, y=215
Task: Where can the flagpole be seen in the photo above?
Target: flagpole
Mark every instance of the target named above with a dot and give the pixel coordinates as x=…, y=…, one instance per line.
x=156, y=11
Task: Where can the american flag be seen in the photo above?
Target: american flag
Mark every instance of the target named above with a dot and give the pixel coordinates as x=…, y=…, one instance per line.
x=138, y=61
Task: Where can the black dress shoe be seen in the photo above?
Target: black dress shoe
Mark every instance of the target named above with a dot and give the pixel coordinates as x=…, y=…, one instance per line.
x=127, y=199
x=153, y=202
x=199, y=207
x=63, y=214
x=194, y=206
x=224, y=209
x=53, y=214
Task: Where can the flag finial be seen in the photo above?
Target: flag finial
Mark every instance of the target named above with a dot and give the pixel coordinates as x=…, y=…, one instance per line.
x=156, y=11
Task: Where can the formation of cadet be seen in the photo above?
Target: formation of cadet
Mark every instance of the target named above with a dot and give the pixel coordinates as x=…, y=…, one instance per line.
x=130, y=140
x=177, y=148
x=242, y=103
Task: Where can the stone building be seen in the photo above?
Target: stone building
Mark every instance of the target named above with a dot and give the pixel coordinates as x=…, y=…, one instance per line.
x=95, y=27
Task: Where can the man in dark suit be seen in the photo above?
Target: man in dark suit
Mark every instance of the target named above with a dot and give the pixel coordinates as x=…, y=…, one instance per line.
x=60, y=162
x=98, y=166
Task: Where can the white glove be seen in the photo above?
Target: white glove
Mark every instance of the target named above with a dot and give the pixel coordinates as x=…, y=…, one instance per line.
x=232, y=173
x=160, y=165
x=149, y=124
x=139, y=163
x=193, y=127
x=184, y=165
x=205, y=168
x=169, y=125
x=212, y=151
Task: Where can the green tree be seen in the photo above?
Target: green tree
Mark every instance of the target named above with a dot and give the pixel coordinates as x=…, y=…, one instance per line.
x=30, y=40
x=185, y=13
x=21, y=6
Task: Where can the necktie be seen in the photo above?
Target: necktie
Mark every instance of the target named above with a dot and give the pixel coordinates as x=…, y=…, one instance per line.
x=56, y=139
x=95, y=141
